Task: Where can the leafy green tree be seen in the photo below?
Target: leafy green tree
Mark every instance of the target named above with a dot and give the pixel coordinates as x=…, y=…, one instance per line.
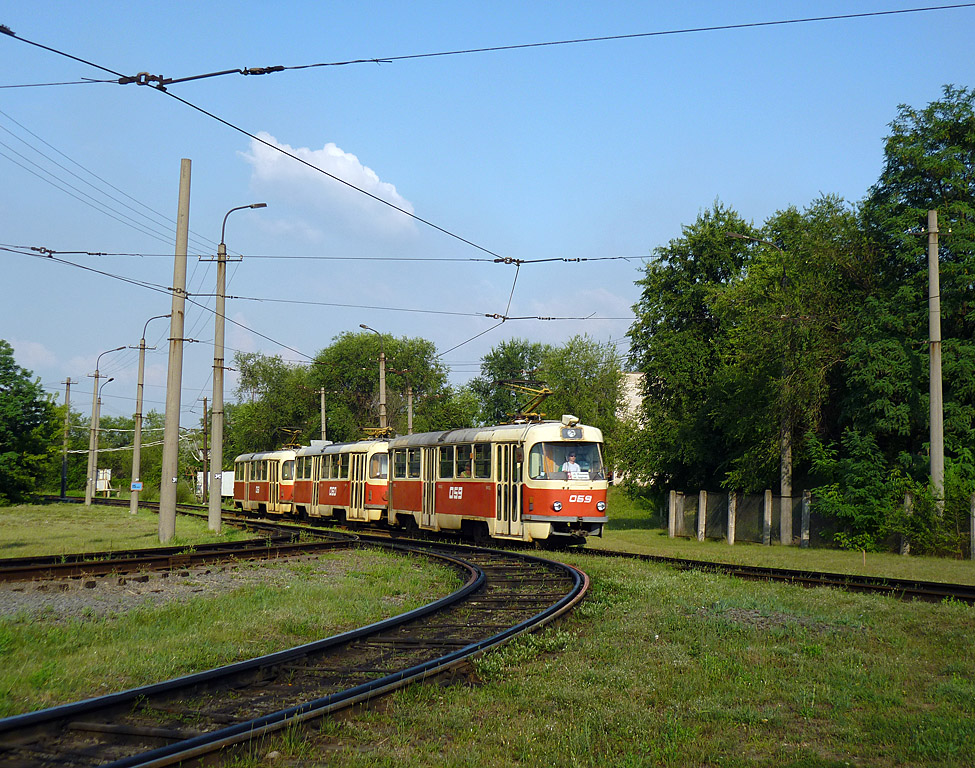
x=27, y=427
x=275, y=399
x=511, y=360
x=454, y=408
x=678, y=341
x=348, y=371
x=788, y=318
x=929, y=164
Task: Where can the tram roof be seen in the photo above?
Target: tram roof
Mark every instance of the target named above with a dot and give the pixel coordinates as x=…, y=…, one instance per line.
x=284, y=453
x=546, y=430
x=318, y=447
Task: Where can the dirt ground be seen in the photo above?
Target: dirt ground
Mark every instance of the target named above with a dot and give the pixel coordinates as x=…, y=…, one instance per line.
x=61, y=599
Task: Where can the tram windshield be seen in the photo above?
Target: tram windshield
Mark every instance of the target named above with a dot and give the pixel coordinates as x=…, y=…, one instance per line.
x=565, y=461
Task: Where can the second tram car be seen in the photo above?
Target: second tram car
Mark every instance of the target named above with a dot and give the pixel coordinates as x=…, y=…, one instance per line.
x=346, y=481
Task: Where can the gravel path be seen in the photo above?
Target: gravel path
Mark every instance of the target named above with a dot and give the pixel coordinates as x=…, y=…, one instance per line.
x=64, y=599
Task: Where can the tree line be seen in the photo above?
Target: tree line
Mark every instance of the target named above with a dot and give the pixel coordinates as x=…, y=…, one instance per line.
x=812, y=330
x=279, y=403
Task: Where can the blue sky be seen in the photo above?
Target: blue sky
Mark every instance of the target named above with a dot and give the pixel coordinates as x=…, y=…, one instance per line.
x=584, y=151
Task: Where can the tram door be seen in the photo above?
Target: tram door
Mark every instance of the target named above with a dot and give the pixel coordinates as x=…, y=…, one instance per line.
x=428, y=510
x=357, y=488
x=316, y=472
x=273, y=486
x=507, y=513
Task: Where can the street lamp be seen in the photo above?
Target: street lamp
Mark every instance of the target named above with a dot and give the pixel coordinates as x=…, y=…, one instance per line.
x=93, y=433
x=136, y=484
x=382, y=375
x=216, y=459
x=98, y=415
x=785, y=427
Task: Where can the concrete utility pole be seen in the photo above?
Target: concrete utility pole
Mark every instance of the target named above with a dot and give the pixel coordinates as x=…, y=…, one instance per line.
x=936, y=399
x=64, y=448
x=220, y=321
x=93, y=433
x=136, y=484
x=174, y=381
x=382, y=375
x=409, y=408
x=321, y=394
x=98, y=416
x=203, y=483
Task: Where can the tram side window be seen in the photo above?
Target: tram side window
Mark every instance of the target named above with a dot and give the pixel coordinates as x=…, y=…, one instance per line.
x=378, y=466
x=288, y=470
x=414, y=462
x=342, y=460
x=465, y=466
x=260, y=471
x=446, y=462
x=399, y=464
x=482, y=460
x=239, y=471
x=324, y=467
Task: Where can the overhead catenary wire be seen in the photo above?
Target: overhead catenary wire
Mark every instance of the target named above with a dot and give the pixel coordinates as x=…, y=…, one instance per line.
x=160, y=82
x=43, y=253
x=139, y=208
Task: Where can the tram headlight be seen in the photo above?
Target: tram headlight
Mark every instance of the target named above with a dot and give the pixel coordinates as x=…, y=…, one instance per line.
x=557, y=506
x=601, y=506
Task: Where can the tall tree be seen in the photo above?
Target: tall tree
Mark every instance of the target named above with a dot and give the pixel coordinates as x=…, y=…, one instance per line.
x=787, y=316
x=275, y=401
x=27, y=426
x=677, y=341
x=348, y=371
x=929, y=164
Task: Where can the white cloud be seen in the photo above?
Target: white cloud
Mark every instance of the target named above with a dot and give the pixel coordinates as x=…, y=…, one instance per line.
x=32, y=354
x=318, y=203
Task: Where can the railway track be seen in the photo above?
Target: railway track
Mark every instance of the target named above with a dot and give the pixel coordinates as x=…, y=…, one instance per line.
x=504, y=594
x=164, y=558
x=904, y=589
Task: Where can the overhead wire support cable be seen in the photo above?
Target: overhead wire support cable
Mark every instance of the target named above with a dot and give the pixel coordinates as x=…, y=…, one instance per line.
x=314, y=167
x=160, y=82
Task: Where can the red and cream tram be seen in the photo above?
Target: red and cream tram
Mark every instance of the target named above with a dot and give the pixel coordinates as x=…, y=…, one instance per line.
x=265, y=482
x=533, y=481
x=342, y=480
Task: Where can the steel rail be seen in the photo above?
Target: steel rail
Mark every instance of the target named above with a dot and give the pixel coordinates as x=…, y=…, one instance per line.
x=905, y=589
x=132, y=561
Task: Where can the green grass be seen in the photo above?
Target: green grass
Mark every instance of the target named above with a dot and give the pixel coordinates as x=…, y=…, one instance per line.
x=656, y=667
x=631, y=529
x=44, y=661
x=56, y=529
x=665, y=668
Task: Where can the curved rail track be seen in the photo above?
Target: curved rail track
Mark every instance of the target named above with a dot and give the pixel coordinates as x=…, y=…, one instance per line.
x=504, y=594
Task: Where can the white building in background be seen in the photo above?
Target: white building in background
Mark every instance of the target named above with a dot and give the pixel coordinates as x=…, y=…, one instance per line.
x=632, y=394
